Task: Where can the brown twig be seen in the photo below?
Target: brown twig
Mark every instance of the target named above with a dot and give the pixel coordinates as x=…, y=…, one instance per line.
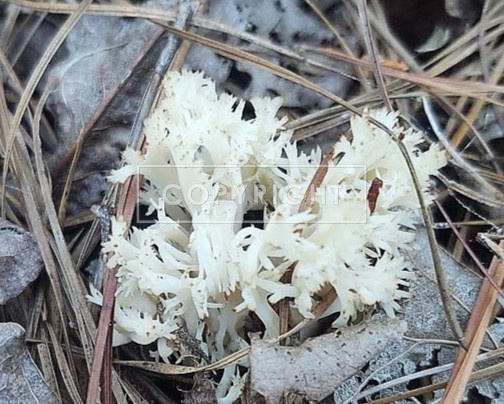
x=102, y=358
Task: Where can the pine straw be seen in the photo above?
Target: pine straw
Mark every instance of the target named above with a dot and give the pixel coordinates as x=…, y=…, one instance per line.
x=474, y=63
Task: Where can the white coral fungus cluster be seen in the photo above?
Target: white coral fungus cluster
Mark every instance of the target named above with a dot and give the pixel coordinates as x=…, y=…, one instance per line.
x=199, y=267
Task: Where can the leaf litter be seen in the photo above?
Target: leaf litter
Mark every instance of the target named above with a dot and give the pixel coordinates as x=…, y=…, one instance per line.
x=426, y=319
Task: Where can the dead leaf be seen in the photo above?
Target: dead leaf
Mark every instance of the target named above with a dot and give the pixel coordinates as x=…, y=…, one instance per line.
x=103, y=76
x=20, y=379
x=320, y=364
x=100, y=52
x=282, y=23
x=425, y=306
x=202, y=391
x=20, y=260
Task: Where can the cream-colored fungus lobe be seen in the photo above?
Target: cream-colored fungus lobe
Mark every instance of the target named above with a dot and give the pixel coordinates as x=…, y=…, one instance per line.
x=198, y=266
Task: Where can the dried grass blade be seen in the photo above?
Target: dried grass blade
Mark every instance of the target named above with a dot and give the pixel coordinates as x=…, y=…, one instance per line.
x=34, y=80
x=25, y=176
x=364, y=22
x=460, y=134
x=464, y=45
x=72, y=388
x=491, y=371
x=418, y=375
x=168, y=368
x=120, y=10
x=75, y=290
x=474, y=89
x=469, y=167
x=315, y=182
x=47, y=366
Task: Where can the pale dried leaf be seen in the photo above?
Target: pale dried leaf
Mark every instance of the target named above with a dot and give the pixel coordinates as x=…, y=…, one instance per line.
x=100, y=54
x=20, y=260
x=321, y=364
x=425, y=308
x=20, y=379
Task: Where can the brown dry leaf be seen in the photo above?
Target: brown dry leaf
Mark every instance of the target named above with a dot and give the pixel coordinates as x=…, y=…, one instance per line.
x=20, y=379
x=20, y=260
x=321, y=364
